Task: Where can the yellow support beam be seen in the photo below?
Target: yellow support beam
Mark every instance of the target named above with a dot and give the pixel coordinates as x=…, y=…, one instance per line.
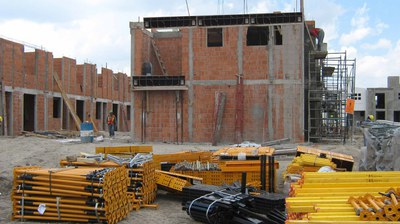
x=335, y=222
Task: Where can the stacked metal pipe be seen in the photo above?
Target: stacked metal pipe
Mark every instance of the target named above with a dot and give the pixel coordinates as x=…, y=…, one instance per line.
x=84, y=195
x=325, y=196
x=140, y=168
x=142, y=187
x=371, y=208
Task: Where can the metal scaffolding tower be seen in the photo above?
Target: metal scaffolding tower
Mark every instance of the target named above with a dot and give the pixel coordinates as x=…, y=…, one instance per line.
x=331, y=82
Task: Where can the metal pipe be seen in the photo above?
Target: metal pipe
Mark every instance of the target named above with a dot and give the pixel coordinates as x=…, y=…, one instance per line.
x=243, y=186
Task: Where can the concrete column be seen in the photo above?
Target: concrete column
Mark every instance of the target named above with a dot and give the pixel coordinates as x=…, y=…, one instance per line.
x=46, y=89
x=132, y=132
x=2, y=107
x=271, y=78
x=303, y=73
x=36, y=68
x=13, y=66
x=239, y=51
x=191, y=91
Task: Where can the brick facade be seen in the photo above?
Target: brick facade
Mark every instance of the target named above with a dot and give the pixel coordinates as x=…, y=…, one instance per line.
x=28, y=73
x=273, y=90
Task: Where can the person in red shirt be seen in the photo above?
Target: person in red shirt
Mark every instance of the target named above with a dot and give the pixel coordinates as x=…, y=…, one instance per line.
x=111, y=124
x=319, y=34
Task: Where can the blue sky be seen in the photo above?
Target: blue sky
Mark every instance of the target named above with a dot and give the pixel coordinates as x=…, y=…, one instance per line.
x=97, y=31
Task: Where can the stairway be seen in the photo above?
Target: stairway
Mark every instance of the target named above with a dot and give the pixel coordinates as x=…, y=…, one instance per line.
x=159, y=59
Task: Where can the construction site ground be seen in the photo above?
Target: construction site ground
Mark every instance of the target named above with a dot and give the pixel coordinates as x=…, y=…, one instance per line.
x=23, y=151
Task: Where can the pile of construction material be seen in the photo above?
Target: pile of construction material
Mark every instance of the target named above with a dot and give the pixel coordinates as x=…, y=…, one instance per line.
x=92, y=195
x=307, y=163
x=325, y=196
x=140, y=168
x=311, y=160
x=226, y=166
x=381, y=144
x=241, y=153
x=174, y=182
x=166, y=161
x=212, y=204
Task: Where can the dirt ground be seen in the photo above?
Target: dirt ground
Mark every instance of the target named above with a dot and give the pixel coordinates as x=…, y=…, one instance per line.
x=22, y=151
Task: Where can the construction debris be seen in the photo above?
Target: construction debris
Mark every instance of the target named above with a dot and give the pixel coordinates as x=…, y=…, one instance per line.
x=44, y=134
x=70, y=194
x=382, y=141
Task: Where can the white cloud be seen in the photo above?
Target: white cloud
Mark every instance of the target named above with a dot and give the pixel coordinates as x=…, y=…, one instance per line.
x=381, y=44
x=355, y=35
x=351, y=51
x=372, y=71
x=361, y=27
x=361, y=18
x=326, y=18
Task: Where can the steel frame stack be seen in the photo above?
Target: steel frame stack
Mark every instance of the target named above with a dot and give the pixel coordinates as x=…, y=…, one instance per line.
x=331, y=81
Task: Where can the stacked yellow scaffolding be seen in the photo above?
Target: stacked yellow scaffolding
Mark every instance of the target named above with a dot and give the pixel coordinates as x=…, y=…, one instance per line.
x=142, y=186
x=324, y=197
x=70, y=194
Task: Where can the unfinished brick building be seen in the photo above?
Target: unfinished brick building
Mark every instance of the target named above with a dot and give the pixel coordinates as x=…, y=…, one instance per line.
x=30, y=99
x=253, y=62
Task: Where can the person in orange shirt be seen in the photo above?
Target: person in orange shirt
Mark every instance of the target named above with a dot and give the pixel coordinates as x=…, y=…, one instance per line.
x=111, y=124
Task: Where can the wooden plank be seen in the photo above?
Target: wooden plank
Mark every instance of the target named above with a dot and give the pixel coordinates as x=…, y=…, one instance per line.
x=219, y=106
x=179, y=175
x=94, y=125
x=124, y=118
x=66, y=100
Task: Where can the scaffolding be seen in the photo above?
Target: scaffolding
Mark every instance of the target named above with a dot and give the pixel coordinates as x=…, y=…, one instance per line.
x=331, y=82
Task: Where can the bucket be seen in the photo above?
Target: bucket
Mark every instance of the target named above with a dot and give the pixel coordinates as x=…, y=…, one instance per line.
x=86, y=132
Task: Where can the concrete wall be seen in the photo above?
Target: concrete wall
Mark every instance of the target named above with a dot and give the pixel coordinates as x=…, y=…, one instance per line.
x=23, y=72
x=273, y=93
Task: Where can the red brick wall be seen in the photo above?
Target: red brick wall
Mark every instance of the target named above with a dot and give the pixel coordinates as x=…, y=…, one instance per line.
x=40, y=112
x=171, y=53
x=11, y=60
x=32, y=72
x=221, y=64
x=30, y=80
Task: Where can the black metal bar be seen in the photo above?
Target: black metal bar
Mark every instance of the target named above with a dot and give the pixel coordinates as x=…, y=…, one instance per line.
x=263, y=161
x=243, y=186
x=269, y=174
x=223, y=20
x=272, y=174
x=181, y=97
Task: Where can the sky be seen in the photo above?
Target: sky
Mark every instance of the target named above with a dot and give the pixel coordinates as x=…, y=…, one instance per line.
x=97, y=31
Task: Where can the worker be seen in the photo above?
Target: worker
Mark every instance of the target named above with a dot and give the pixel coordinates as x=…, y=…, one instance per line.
x=319, y=34
x=370, y=118
x=111, y=123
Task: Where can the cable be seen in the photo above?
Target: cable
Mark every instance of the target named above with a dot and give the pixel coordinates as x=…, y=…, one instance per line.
x=187, y=7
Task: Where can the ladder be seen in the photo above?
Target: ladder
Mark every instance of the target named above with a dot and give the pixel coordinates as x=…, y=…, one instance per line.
x=66, y=100
x=159, y=59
